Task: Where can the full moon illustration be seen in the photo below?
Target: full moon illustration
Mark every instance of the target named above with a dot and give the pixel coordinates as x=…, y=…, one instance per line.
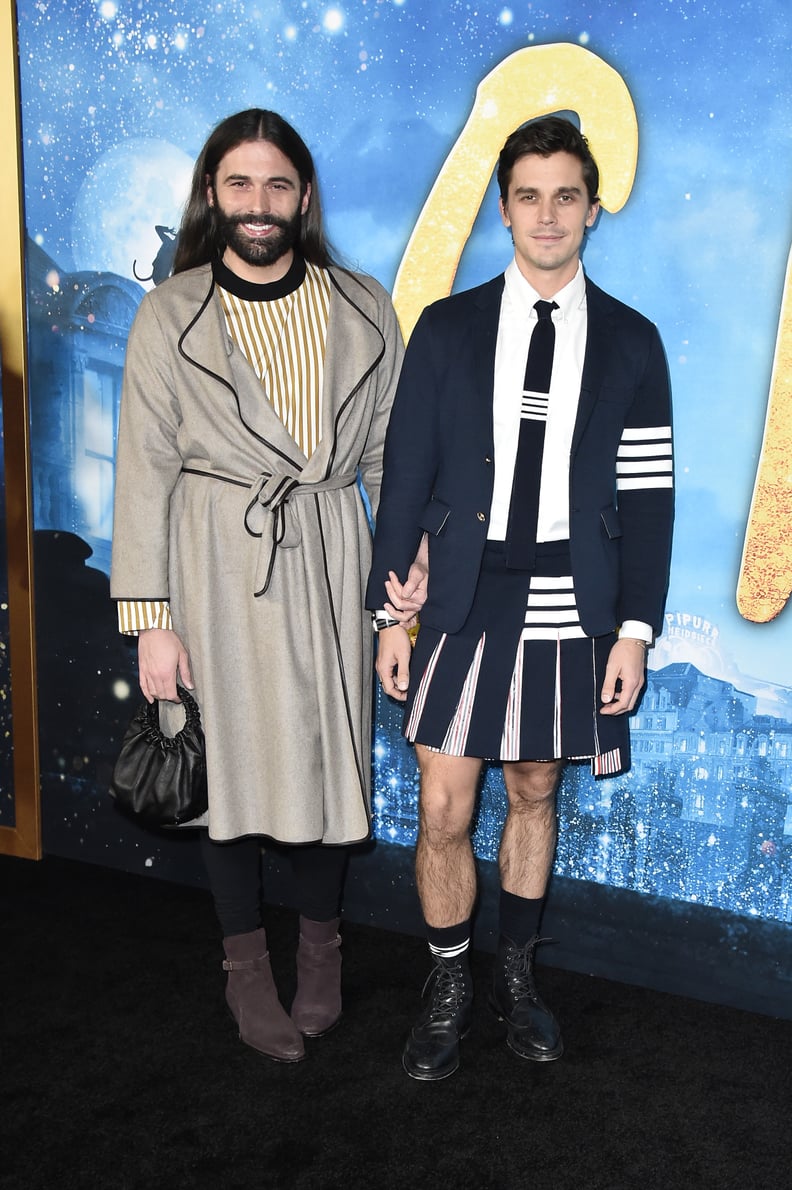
x=127, y=193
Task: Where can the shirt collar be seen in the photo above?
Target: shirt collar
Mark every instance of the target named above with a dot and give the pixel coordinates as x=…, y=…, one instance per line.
x=522, y=293
x=252, y=291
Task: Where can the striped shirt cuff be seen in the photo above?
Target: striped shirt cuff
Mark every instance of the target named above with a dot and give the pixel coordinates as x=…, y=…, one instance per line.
x=134, y=615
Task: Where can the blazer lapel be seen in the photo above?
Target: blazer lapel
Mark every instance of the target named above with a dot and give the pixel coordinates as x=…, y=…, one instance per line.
x=598, y=331
x=484, y=336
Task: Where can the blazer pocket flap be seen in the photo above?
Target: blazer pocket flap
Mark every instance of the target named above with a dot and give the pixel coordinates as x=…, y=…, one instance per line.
x=434, y=517
x=610, y=519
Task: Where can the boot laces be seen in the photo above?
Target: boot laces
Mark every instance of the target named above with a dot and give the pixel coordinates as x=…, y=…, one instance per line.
x=450, y=988
x=519, y=970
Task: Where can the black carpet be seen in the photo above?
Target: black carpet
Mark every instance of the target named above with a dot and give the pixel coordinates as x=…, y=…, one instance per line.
x=120, y=1067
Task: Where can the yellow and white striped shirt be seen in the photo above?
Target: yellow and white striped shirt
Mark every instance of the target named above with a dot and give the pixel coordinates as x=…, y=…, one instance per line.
x=284, y=341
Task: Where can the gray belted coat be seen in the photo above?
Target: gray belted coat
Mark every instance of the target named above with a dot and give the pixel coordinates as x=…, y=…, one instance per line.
x=262, y=553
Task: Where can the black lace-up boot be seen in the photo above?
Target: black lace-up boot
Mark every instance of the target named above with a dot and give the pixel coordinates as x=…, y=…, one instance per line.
x=532, y=1030
x=432, y=1049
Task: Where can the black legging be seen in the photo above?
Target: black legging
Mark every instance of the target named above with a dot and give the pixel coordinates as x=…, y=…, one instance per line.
x=234, y=871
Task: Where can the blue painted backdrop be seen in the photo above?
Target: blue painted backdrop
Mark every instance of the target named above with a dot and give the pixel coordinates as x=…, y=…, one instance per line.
x=117, y=99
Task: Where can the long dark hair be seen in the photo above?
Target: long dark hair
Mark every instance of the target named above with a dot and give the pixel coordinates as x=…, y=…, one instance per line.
x=200, y=240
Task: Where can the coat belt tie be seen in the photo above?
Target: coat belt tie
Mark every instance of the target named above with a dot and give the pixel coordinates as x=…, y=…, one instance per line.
x=270, y=508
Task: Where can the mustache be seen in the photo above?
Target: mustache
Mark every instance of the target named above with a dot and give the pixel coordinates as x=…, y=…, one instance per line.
x=258, y=221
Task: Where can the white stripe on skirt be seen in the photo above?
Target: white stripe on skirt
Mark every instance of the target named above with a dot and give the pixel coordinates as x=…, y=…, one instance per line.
x=423, y=689
x=455, y=741
x=510, y=740
x=551, y=615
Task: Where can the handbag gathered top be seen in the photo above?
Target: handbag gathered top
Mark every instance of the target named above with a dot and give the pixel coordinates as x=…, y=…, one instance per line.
x=160, y=780
x=192, y=717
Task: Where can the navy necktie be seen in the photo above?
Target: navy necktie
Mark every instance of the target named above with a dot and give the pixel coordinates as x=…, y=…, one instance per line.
x=524, y=506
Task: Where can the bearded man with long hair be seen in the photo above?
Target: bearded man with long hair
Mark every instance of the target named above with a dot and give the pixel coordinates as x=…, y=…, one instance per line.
x=258, y=385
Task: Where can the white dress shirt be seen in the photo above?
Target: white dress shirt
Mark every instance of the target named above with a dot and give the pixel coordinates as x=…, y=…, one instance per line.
x=515, y=327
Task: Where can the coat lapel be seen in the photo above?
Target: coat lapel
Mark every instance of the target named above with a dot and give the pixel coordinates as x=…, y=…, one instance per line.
x=355, y=346
x=203, y=341
x=206, y=344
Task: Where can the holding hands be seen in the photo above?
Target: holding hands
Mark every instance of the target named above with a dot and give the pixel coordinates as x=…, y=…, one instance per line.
x=405, y=601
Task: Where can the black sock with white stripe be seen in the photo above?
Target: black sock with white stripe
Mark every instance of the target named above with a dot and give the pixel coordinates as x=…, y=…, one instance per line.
x=449, y=942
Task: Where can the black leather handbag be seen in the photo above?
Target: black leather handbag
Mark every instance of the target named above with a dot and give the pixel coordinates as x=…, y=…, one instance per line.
x=161, y=780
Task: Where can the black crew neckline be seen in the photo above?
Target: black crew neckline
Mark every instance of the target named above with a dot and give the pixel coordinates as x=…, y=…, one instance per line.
x=251, y=291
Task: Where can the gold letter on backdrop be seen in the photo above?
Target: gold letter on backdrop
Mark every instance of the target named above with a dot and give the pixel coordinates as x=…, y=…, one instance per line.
x=765, y=580
x=531, y=82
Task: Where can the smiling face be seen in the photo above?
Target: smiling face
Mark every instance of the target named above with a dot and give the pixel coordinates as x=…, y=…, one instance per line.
x=260, y=203
x=548, y=210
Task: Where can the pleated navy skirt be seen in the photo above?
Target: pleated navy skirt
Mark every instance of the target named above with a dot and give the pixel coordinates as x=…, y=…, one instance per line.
x=520, y=680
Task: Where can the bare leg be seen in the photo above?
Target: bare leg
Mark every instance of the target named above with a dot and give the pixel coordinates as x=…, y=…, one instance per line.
x=529, y=834
x=446, y=877
x=444, y=866
x=526, y=856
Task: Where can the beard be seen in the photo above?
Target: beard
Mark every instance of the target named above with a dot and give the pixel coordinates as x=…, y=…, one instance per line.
x=259, y=252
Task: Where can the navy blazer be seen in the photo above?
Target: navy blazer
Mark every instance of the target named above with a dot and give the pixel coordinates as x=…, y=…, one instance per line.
x=439, y=463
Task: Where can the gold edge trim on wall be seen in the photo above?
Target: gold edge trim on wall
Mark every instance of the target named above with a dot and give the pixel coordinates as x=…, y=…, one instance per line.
x=24, y=838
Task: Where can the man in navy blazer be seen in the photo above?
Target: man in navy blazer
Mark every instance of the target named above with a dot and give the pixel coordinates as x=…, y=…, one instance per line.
x=526, y=655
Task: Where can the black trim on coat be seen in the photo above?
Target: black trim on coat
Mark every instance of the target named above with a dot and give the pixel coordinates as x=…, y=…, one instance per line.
x=222, y=380
x=340, y=657
x=366, y=374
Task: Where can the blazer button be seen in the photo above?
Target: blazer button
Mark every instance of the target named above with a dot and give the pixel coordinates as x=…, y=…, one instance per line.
x=481, y=516
x=487, y=459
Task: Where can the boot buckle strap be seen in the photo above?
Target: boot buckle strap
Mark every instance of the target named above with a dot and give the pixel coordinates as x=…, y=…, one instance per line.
x=316, y=947
x=246, y=964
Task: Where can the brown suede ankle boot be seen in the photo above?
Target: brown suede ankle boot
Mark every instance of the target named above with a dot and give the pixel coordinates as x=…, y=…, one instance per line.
x=253, y=999
x=317, y=1005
